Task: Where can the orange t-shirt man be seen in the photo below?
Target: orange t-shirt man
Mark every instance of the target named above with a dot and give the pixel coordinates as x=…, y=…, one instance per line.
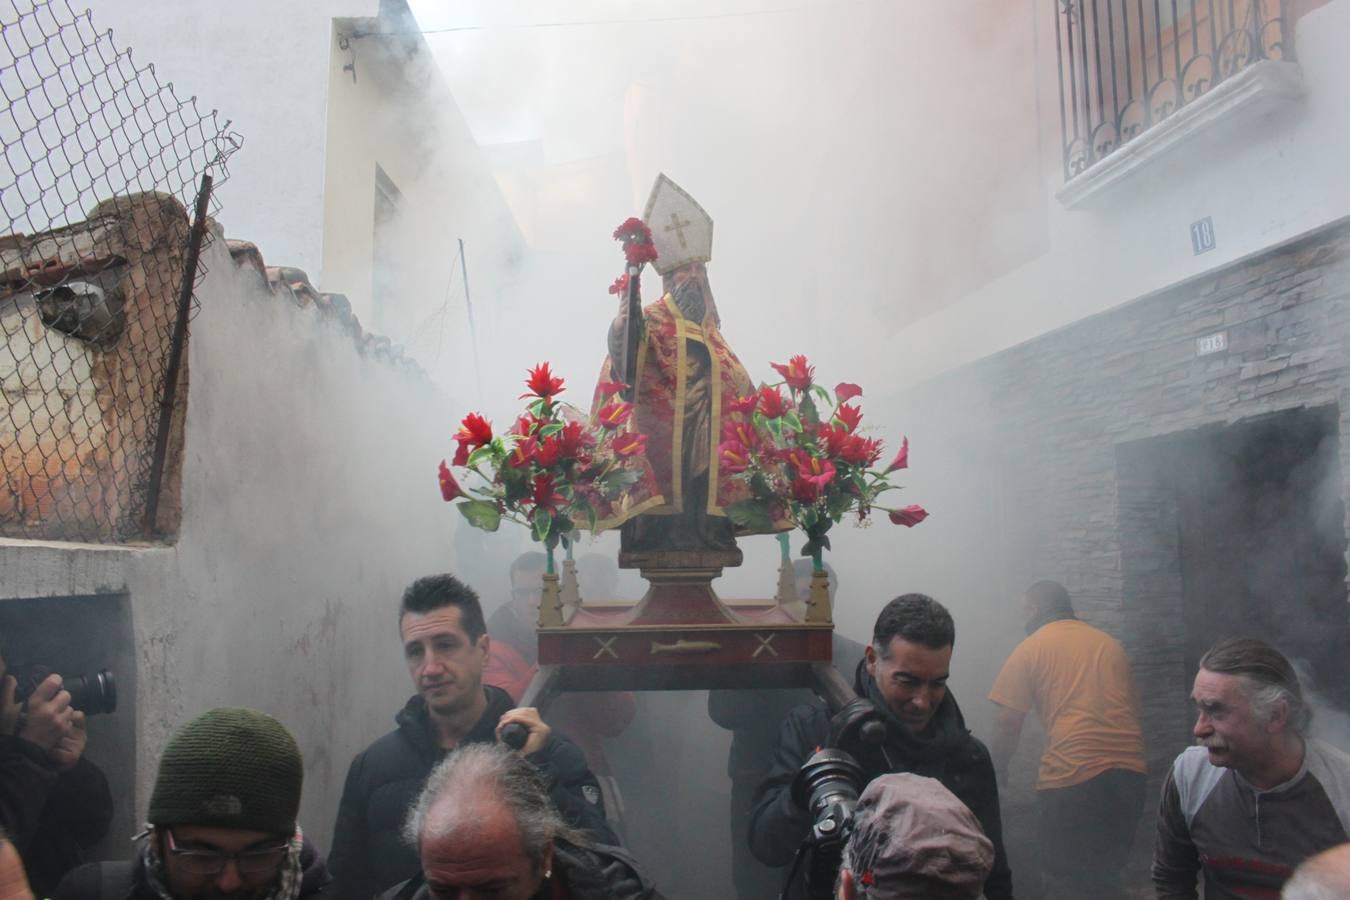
x=1091, y=786
x=1078, y=680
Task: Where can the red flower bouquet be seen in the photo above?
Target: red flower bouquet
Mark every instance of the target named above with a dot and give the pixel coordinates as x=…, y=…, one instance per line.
x=804, y=453
x=551, y=471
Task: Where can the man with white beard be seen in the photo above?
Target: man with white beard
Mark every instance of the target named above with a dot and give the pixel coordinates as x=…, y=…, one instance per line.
x=1257, y=796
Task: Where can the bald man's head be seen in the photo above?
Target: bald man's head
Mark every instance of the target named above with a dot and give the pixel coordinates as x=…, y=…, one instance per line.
x=1325, y=876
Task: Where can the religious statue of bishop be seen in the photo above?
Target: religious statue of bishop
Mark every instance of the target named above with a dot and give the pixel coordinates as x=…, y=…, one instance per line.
x=686, y=384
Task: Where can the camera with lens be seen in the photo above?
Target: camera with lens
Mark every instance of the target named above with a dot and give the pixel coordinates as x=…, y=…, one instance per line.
x=90, y=694
x=827, y=786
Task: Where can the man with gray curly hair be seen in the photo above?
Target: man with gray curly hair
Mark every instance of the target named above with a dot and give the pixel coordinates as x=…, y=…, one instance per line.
x=1257, y=796
x=484, y=826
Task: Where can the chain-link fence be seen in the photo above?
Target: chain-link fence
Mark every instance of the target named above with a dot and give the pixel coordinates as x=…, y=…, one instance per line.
x=100, y=164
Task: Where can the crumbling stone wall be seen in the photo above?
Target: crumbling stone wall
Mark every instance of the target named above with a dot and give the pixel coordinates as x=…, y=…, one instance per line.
x=80, y=404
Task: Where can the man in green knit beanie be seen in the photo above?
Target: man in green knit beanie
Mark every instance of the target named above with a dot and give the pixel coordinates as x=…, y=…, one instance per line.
x=222, y=820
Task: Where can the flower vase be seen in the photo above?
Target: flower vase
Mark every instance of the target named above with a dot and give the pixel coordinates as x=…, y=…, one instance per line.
x=550, y=601
x=818, y=610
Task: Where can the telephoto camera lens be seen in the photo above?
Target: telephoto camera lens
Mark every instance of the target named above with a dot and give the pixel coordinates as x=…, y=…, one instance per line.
x=827, y=786
x=92, y=694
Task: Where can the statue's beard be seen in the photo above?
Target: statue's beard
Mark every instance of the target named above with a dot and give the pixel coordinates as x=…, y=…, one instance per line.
x=689, y=299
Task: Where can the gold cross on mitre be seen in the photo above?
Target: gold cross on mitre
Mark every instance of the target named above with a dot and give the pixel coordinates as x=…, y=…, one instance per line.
x=681, y=229
x=678, y=227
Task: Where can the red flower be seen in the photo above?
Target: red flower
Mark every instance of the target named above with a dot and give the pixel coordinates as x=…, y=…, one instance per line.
x=543, y=383
x=543, y=494
x=844, y=392
x=804, y=491
x=849, y=415
x=909, y=516
x=574, y=441
x=461, y=454
x=450, y=488
x=835, y=438
x=742, y=432
x=610, y=388
x=817, y=471
x=620, y=284
x=615, y=413
x=549, y=452
x=632, y=229
x=873, y=449
x=742, y=404
x=796, y=373
x=637, y=241
x=733, y=456
x=637, y=254
x=629, y=443
x=771, y=402
x=475, y=430
x=857, y=449
x=525, y=426
x=901, y=460
x=522, y=453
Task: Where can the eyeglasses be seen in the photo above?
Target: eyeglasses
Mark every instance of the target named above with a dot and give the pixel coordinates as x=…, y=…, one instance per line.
x=255, y=861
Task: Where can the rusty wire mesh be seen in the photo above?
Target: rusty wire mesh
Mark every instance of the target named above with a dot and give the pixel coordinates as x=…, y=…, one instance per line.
x=100, y=166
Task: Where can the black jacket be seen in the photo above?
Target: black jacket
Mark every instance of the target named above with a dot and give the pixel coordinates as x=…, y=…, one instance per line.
x=125, y=879
x=597, y=872
x=53, y=817
x=369, y=855
x=946, y=751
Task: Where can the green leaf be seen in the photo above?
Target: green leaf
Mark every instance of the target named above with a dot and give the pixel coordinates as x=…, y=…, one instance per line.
x=750, y=515
x=823, y=394
x=590, y=517
x=618, y=479
x=543, y=522
x=537, y=407
x=484, y=452
x=550, y=429
x=791, y=420
x=776, y=429
x=808, y=410
x=481, y=514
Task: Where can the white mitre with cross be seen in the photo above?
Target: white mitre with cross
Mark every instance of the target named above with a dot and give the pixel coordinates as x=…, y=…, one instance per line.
x=681, y=229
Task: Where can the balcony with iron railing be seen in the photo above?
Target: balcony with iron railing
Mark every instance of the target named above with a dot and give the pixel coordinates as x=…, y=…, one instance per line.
x=1131, y=70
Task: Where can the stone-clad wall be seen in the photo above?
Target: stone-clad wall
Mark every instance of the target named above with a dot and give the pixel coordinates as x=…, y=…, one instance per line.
x=1078, y=401
x=1069, y=421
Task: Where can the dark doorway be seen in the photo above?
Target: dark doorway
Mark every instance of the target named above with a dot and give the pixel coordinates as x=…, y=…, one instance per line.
x=1261, y=535
x=82, y=635
x=1227, y=531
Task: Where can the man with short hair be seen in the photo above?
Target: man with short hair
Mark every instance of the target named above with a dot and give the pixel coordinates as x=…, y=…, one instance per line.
x=1092, y=775
x=446, y=646
x=1325, y=876
x=904, y=676
x=1257, y=796
x=484, y=826
x=913, y=840
x=755, y=718
x=222, y=821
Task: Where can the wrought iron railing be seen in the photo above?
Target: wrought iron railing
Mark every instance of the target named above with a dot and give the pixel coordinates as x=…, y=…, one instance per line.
x=1125, y=65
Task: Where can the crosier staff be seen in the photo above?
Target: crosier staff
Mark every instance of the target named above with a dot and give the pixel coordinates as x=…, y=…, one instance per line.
x=638, y=250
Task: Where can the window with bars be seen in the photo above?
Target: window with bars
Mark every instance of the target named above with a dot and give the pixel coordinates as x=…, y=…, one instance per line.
x=1126, y=65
